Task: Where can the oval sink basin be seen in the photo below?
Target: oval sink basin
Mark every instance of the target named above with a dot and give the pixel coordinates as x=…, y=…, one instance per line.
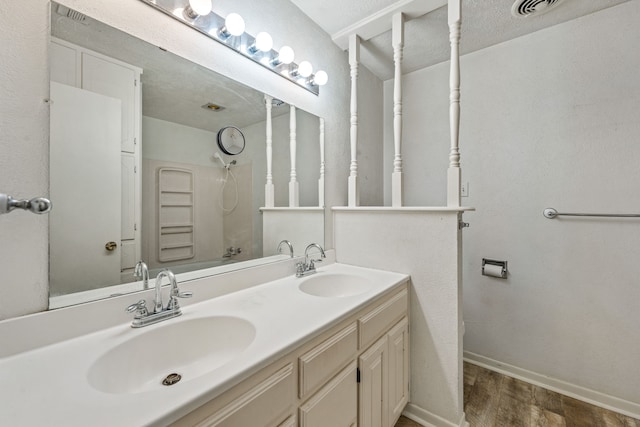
x=190, y=348
x=334, y=285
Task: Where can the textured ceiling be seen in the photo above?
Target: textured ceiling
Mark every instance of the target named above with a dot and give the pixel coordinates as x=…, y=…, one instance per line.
x=484, y=23
x=334, y=15
x=174, y=89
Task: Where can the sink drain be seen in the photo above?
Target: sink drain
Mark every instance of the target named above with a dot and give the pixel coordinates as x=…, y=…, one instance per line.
x=171, y=379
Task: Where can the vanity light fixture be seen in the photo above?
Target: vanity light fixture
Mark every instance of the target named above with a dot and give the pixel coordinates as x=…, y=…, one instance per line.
x=196, y=8
x=233, y=26
x=285, y=56
x=262, y=43
x=230, y=31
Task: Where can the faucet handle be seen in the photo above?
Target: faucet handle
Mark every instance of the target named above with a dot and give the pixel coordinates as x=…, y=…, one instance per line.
x=173, y=300
x=300, y=267
x=140, y=308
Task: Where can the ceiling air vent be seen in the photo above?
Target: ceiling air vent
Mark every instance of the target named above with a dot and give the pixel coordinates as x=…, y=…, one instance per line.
x=526, y=8
x=72, y=14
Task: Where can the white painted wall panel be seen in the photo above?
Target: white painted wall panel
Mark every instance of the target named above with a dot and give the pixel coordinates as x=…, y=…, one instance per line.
x=548, y=120
x=24, y=162
x=424, y=245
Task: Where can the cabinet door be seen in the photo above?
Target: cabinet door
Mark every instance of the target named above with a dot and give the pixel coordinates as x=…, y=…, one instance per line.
x=373, y=385
x=115, y=81
x=128, y=172
x=398, y=339
x=63, y=66
x=335, y=404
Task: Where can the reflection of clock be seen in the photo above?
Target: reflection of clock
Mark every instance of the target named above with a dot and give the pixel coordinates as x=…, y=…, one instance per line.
x=230, y=140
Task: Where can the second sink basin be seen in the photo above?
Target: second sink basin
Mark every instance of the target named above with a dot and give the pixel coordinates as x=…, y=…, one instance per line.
x=189, y=347
x=334, y=285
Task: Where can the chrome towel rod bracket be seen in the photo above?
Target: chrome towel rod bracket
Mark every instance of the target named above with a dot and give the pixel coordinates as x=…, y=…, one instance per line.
x=552, y=213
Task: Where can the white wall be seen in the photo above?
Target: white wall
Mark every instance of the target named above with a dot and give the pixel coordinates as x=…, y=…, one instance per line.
x=24, y=162
x=424, y=244
x=300, y=226
x=170, y=144
x=24, y=115
x=548, y=120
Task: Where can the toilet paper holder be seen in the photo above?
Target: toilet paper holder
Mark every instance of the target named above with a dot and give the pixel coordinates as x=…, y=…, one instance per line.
x=493, y=272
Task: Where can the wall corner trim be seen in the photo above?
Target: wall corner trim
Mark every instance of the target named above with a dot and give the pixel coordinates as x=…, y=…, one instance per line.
x=429, y=419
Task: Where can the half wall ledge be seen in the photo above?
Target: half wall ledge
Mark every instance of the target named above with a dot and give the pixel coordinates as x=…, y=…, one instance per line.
x=401, y=209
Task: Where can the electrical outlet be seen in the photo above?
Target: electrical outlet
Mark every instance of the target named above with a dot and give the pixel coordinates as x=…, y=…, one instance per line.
x=464, y=189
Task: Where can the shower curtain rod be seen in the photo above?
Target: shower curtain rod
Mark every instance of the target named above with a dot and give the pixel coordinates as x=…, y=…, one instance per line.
x=552, y=213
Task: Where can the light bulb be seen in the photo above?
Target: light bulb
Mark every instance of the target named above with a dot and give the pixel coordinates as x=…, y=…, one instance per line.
x=234, y=24
x=285, y=56
x=264, y=42
x=305, y=69
x=320, y=78
x=201, y=7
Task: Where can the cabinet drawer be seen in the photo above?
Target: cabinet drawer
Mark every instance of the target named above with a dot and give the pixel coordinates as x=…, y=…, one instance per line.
x=323, y=361
x=267, y=404
x=335, y=404
x=382, y=318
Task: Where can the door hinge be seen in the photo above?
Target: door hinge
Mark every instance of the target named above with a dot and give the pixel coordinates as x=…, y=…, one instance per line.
x=135, y=82
x=358, y=375
x=135, y=169
x=135, y=227
x=135, y=141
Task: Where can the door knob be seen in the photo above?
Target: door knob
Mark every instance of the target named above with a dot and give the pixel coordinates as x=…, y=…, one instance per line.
x=110, y=246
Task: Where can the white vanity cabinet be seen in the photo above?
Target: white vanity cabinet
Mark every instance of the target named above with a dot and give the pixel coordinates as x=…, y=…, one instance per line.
x=354, y=374
x=384, y=366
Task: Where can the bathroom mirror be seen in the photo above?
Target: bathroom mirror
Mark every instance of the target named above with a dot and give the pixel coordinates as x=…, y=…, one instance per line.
x=155, y=186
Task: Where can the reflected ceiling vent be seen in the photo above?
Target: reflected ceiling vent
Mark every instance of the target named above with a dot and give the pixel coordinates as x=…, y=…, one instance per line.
x=526, y=8
x=212, y=107
x=71, y=14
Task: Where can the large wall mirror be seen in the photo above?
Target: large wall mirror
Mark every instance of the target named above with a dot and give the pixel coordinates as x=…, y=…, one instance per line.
x=136, y=171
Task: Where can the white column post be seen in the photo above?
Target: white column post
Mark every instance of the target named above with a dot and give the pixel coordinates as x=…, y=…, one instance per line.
x=397, y=37
x=269, y=191
x=354, y=59
x=321, y=180
x=294, y=200
x=453, y=173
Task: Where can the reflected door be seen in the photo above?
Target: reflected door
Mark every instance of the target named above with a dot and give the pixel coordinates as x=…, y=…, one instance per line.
x=85, y=176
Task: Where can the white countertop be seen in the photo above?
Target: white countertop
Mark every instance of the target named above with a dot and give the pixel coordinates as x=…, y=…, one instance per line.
x=48, y=385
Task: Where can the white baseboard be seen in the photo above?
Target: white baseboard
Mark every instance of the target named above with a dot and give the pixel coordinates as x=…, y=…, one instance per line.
x=428, y=419
x=593, y=397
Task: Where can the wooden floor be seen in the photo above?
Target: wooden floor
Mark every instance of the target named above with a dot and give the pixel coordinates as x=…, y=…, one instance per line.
x=495, y=400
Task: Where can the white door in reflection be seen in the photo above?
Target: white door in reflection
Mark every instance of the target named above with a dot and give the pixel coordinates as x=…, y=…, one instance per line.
x=84, y=165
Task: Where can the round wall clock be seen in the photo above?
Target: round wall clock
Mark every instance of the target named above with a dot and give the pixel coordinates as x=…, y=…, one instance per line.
x=231, y=140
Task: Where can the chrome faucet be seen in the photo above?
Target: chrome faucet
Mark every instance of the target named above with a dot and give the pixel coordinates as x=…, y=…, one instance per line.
x=157, y=300
x=142, y=272
x=308, y=267
x=288, y=243
x=144, y=318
